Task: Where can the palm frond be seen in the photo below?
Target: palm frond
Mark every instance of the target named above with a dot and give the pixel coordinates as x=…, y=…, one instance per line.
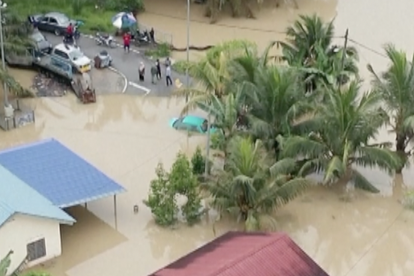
x=362, y=183
x=283, y=167
x=384, y=159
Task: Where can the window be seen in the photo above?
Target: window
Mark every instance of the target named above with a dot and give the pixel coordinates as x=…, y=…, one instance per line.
x=53, y=21
x=36, y=250
x=192, y=128
x=45, y=19
x=61, y=54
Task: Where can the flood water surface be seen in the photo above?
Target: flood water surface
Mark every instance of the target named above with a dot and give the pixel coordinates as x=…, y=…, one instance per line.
x=354, y=234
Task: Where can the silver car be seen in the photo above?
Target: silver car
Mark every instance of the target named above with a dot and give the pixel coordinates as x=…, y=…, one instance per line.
x=53, y=22
x=41, y=43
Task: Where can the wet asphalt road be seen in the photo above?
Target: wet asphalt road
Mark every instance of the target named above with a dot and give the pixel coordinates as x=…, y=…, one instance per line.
x=127, y=64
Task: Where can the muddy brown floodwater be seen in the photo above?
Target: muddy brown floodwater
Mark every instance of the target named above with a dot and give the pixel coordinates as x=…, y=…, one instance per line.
x=354, y=234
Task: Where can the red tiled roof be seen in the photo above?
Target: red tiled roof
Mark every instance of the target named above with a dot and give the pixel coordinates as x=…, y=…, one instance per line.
x=245, y=254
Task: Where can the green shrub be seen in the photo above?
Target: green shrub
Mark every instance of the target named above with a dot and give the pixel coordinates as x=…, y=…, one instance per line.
x=161, y=199
x=198, y=162
x=181, y=66
x=162, y=50
x=184, y=182
x=163, y=189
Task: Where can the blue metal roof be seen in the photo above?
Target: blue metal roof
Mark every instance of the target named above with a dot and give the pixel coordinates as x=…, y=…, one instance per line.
x=18, y=197
x=58, y=174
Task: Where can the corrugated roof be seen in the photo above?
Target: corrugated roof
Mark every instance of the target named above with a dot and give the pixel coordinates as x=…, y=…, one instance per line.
x=58, y=174
x=18, y=197
x=246, y=254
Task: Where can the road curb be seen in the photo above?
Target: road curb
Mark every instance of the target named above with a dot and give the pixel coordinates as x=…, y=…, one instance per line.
x=122, y=75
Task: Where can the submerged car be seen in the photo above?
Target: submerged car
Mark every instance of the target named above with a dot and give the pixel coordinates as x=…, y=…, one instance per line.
x=192, y=123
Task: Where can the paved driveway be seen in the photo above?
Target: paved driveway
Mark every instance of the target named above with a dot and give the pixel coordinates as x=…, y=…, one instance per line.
x=127, y=64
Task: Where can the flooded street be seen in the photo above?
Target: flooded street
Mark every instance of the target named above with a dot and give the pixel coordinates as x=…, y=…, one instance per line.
x=126, y=136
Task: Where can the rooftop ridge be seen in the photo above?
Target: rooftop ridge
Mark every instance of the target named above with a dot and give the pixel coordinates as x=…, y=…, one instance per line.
x=253, y=250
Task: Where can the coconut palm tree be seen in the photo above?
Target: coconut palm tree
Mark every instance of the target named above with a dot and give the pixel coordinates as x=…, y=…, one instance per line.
x=227, y=114
x=309, y=45
x=275, y=100
x=340, y=139
x=250, y=188
x=212, y=73
x=396, y=87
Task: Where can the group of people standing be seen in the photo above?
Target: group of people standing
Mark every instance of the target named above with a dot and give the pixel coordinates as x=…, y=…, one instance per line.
x=155, y=69
x=156, y=72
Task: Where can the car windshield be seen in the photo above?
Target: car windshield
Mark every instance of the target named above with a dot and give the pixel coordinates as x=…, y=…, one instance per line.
x=178, y=121
x=75, y=54
x=37, y=37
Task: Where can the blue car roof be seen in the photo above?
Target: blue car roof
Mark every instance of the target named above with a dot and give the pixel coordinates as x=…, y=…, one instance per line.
x=193, y=120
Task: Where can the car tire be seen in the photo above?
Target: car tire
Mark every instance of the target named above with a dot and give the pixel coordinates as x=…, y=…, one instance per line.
x=57, y=32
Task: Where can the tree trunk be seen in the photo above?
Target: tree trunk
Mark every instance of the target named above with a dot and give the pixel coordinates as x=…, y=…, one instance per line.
x=400, y=147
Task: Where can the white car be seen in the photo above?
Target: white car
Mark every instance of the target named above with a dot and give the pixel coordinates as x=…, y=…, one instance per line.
x=74, y=55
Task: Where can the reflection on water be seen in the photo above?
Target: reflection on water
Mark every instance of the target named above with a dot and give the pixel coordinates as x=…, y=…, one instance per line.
x=125, y=136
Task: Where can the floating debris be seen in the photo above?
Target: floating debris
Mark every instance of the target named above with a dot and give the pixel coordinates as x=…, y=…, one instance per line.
x=48, y=87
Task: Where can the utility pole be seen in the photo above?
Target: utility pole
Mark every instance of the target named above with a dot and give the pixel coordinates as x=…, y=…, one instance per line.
x=6, y=96
x=208, y=145
x=187, y=77
x=343, y=57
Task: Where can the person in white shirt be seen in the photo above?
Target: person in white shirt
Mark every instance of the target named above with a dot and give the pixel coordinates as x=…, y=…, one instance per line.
x=168, y=76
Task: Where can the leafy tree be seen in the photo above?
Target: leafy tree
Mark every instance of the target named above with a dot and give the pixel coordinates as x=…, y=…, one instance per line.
x=198, y=162
x=183, y=181
x=16, y=42
x=343, y=127
x=396, y=88
x=161, y=199
x=163, y=189
x=250, y=188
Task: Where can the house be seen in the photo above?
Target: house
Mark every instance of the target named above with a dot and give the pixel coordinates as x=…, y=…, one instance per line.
x=245, y=254
x=29, y=223
x=37, y=181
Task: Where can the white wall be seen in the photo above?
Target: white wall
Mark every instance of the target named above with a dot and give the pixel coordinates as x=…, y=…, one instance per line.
x=20, y=230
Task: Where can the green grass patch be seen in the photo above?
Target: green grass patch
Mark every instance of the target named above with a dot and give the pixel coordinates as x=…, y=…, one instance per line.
x=95, y=19
x=181, y=66
x=160, y=51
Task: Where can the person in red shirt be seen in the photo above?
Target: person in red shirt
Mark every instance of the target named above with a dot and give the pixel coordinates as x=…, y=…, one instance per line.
x=127, y=41
x=69, y=30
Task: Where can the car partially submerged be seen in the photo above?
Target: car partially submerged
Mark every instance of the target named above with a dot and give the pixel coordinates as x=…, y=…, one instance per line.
x=192, y=123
